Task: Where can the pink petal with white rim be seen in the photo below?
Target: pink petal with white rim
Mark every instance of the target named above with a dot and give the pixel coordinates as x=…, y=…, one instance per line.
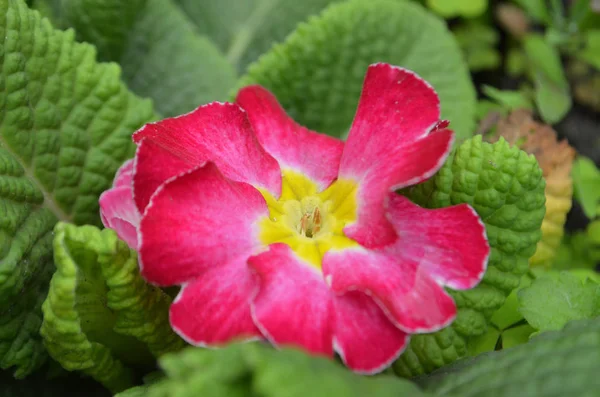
x=197, y=221
x=450, y=243
x=403, y=289
x=220, y=133
x=396, y=140
x=124, y=175
x=118, y=212
x=153, y=166
x=364, y=337
x=293, y=305
x=295, y=147
x=396, y=168
x=215, y=307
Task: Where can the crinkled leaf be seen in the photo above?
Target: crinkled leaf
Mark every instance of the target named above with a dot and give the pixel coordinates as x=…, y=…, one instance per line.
x=256, y=369
x=549, y=303
x=244, y=30
x=100, y=316
x=506, y=188
x=586, y=184
x=552, y=93
x=456, y=8
x=162, y=55
x=559, y=363
x=65, y=126
x=555, y=157
x=318, y=71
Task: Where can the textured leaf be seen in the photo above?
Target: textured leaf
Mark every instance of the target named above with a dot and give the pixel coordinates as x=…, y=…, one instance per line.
x=556, y=159
x=162, y=55
x=317, y=73
x=65, y=126
x=100, y=316
x=244, y=30
x=258, y=370
x=559, y=363
x=506, y=188
x=549, y=303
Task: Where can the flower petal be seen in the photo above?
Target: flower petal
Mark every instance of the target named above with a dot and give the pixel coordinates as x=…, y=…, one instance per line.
x=197, y=221
x=394, y=169
x=118, y=212
x=124, y=175
x=451, y=242
x=313, y=154
x=413, y=301
x=396, y=140
x=293, y=304
x=215, y=307
x=364, y=337
x=217, y=132
x=153, y=166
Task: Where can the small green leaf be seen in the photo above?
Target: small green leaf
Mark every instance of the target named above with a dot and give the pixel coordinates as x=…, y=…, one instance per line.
x=509, y=313
x=591, y=51
x=65, y=128
x=549, y=303
x=510, y=100
x=506, y=187
x=558, y=363
x=586, y=185
x=478, y=42
x=516, y=335
x=458, y=8
x=536, y=9
x=484, y=343
x=318, y=71
x=100, y=316
x=552, y=92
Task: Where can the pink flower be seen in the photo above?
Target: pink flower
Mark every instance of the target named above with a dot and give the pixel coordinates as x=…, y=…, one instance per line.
x=274, y=231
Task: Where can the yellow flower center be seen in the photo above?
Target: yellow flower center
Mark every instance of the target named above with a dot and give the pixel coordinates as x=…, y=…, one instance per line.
x=309, y=221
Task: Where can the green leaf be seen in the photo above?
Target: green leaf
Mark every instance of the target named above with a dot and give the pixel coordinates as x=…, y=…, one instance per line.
x=162, y=55
x=586, y=185
x=506, y=188
x=591, y=51
x=256, y=369
x=317, y=73
x=65, y=128
x=244, y=30
x=508, y=99
x=552, y=92
x=536, y=9
x=458, y=8
x=478, y=42
x=100, y=316
x=509, y=313
x=516, y=336
x=559, y=363
x=549, y=303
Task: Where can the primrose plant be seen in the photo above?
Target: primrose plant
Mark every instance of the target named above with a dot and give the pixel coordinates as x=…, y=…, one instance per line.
x=277, y=232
